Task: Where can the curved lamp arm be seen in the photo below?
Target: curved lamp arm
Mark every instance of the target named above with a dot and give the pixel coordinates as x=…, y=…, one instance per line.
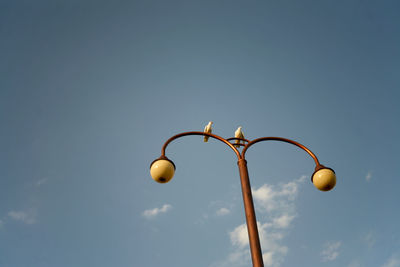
x=199, y=133
x=282, y=140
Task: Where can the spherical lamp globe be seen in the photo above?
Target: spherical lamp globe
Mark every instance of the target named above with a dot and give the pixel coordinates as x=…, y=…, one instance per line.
x=162, y=170
x=324, y=179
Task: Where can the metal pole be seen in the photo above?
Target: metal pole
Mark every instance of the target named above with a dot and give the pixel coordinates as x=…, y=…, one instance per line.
x=254, y=240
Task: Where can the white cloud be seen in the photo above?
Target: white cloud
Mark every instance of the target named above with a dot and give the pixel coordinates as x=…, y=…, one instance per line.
x=278, y=203
x=392, y=262
x=41, y=181
x=268, y=258
x=282, y=221
x=223, y=211
x=239, y=236
x=275, y=198
x=273, y=251
x=368, y=176
x=354, y=263
x=151, y=213
x=236, y=258
x=330, y=251
x=27, y=217
x=369, y=239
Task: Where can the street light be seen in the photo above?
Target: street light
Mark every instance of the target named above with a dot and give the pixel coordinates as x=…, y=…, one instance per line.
x=162, y=170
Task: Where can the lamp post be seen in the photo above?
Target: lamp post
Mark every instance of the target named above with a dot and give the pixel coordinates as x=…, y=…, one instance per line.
x=162, y=170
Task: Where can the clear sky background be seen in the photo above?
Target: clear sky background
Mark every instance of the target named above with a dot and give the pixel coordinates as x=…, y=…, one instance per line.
x=90, y=90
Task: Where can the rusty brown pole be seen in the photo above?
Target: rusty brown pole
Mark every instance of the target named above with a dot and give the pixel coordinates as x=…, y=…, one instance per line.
x=251, y=221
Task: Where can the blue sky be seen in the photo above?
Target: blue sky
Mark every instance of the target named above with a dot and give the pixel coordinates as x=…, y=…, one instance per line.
x=89, y=92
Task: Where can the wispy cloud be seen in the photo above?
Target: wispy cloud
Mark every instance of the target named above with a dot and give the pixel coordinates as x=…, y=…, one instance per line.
x=354, y=263
x=278, y=203
x=369, y=239
x=239, y=236
x=41, y=182
x=393, y=261
x=27, y=217
x=270, y=237
x=330, y=251
x=283, y=221
x=223, y=211
x=279, y=198
x=368, y=176
x=152, y=213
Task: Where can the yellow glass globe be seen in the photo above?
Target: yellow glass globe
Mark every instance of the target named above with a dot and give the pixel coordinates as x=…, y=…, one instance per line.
x=162, y=171
x=324, y=179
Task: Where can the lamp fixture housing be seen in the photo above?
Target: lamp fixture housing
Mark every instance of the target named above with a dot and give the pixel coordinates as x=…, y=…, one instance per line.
x=324, y=178
x=162, y=170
